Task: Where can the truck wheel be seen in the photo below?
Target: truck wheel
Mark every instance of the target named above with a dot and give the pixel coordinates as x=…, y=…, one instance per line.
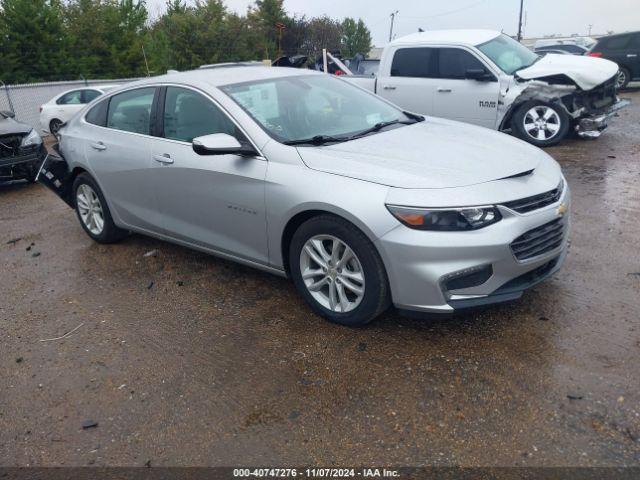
x=93, y=211
x=541, y=124
x=623, y=79
x=338, y=271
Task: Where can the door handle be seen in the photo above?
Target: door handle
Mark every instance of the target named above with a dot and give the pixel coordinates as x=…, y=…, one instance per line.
x=444, y=90
x=388, y=87
x=98, y=146
x=632, y=55
x=165, y=158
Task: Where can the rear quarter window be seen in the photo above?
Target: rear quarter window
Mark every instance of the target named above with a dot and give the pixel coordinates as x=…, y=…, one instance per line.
x=97, y=115
x=617, y=43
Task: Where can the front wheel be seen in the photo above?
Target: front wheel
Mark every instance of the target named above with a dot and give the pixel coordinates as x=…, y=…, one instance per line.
x=338, y=271
x=93, y=211
x=541, y=124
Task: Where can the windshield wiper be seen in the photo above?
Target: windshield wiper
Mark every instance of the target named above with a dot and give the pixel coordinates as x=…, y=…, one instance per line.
x=317, y=140
x=380, y=125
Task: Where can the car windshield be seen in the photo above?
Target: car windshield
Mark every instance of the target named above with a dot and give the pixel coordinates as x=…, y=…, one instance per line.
x=318, y=108
x=508, y=54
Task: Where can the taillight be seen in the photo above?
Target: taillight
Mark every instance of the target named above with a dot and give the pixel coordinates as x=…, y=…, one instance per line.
x=594, y=54
x=339, y=72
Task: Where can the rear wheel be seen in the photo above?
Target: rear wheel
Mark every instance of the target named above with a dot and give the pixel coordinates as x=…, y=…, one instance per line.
x=541, y=124
x=338, y=271
x=54, y=126
x=93, y=212
x=623, y=79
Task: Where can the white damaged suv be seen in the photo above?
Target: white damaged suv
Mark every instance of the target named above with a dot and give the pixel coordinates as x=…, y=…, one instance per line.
x=488, y=79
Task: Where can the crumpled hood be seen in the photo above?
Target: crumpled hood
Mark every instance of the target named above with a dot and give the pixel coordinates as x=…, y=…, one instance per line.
x=587, y=72
x=436, y=153
x=8, y=126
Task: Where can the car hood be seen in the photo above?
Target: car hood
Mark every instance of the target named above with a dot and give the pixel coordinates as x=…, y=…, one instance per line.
x=436, y=153
x=8, y=126
x=586, y=72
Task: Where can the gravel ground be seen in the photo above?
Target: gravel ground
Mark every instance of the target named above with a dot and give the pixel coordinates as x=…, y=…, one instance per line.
x=186, y=359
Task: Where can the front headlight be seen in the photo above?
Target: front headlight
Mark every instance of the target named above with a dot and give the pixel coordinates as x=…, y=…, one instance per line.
x=32, y=139
x=447, y=220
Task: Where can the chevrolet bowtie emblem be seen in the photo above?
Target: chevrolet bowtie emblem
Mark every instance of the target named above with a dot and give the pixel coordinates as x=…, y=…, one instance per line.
x=562, y=209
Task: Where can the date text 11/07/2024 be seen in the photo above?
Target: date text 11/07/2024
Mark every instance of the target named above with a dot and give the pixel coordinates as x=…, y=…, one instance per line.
x=315, y=473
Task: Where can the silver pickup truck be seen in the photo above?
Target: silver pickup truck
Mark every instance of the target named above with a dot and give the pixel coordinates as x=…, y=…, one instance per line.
x=487, y=78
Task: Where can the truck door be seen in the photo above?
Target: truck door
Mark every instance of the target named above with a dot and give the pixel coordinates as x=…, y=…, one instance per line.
x=411, y=81
x=466, y=89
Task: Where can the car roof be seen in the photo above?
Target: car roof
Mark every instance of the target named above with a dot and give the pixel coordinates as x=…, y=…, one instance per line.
x=218, y=77
x=460, y=37
x=616, y=35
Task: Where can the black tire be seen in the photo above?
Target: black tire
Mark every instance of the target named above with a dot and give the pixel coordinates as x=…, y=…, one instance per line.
x=624, y=77
x=376, y=297
x=560, y=118
x=54, y=126
x=110, y=233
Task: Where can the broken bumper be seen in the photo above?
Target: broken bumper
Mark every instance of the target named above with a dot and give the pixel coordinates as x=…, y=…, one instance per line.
x=592, y=126
x=24, y=164
x=55, y=175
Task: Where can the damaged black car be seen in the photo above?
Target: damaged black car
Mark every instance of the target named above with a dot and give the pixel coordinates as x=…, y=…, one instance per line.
x=21, y=149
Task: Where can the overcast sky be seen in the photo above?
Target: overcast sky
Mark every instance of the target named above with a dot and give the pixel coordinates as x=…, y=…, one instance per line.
x=542, y=16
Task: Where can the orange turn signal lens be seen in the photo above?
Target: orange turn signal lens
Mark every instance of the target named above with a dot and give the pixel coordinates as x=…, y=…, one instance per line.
x=411, y=218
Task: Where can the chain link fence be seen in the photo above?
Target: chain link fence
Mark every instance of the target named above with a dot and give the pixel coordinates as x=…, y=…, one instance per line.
x=25, y=99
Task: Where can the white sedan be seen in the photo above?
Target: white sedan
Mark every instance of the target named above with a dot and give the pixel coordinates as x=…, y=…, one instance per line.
x=62, y=107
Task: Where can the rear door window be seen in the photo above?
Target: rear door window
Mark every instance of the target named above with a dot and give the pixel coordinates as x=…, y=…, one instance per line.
x=90, y=95
x=453, y=63
x=71, y=98
x=414, y=62
x=131, y=111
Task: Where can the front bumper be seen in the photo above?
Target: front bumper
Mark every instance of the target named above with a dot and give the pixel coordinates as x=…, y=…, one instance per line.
x=419, y=263
x=593, y=125
x=25, y=163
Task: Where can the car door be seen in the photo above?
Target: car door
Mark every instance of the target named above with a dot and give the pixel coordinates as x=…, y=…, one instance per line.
x=633, y=56
x=412, y=80
x=618, y=49
x=118, y=150
x=214, y=201
x=461, y=98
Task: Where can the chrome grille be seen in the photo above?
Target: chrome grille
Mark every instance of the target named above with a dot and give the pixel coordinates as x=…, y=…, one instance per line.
x=539, y=240
x=535, y=202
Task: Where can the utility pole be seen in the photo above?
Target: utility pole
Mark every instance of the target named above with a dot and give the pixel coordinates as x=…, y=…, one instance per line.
x=280, y=26
x=520, y=21
x=590, y=27
x=393, y=16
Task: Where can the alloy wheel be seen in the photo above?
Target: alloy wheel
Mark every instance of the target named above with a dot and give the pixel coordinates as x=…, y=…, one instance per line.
x=621, y=79
x=332, y=273
x=90, y=209
x=542, y=122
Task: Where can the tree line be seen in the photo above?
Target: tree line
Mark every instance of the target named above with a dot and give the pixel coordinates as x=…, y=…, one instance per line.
x=48, y=40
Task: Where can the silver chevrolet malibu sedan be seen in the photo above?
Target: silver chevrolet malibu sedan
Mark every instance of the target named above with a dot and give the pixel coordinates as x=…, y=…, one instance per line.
x=304, y=175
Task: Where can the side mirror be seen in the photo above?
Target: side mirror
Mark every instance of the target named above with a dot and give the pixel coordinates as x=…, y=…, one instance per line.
x=221, y=144
x=479, y=74
x=8, y=114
